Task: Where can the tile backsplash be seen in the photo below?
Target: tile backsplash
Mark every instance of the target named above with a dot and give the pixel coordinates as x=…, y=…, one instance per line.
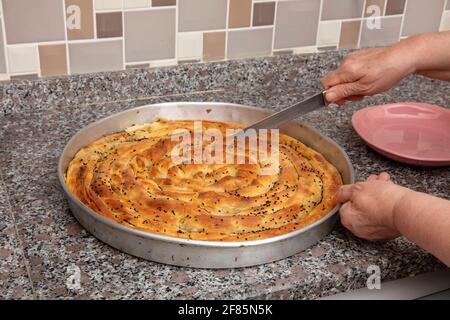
x=59, y=37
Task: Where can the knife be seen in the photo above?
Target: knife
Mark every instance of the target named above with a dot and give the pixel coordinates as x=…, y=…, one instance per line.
x=290, y=113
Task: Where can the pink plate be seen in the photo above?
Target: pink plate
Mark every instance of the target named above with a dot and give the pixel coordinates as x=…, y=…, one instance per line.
x=409, y=132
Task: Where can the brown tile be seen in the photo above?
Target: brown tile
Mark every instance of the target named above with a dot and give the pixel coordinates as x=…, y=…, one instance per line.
x=24, y=24
x=296, y=23
x=53, y=59
x=379, y=3
x=160, y=3
x=109, y=24
x=448, y=5
x=213, y=46
x=422, y=16
x=395, y=7
x=388, y=33
x=349, y=34
x=200, y=15
x=239, y=14
x=149, y=35
x=80, y=19
x=249, y=43
x=96, y=56
x=263, y=13
x=342, y=9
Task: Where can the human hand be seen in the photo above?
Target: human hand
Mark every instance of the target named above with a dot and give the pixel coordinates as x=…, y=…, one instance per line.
x=369, y=207
x=367, y=72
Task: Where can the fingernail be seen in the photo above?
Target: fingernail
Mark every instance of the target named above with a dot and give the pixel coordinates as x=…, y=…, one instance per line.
x=331, y=96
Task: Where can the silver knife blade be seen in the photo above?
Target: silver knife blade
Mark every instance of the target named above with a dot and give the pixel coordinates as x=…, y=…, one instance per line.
x=290, y=113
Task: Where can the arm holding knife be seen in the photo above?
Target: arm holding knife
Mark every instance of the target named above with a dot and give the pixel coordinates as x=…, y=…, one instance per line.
x=378, y=209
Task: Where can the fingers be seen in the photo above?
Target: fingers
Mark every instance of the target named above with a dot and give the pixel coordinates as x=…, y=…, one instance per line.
x=384, y=176
x=344, y=193
x=345, y=213
x=345, y=91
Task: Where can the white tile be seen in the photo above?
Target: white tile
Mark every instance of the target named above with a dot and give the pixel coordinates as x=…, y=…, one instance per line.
x=307, y=49
x=128, y=4
x=445, y=22
x=190, y=45
x=328, y=33
x=108, y=4
x=163, y=63
x=23, y=59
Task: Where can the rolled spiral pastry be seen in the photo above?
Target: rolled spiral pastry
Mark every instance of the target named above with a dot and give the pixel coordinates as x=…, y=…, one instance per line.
x=131, y=178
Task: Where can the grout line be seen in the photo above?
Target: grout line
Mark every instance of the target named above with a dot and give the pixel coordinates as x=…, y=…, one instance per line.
x=275, y=11
x=94, y=19
x=19, y=239
x=227, y=17
x=358, y=45
x=5, y=47
x=66, y=42
x=403, y=20
x=442, y=15
x=318, y=22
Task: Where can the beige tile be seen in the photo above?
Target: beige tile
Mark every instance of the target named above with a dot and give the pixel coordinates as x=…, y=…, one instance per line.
x=2, y=50
x=160, y=3
x=131, y=4
x=263, y=13
x=342, y=9
x=388, y=33
x=239, y=14
x=198, y=15
x=23, y=59
x=249, y=43
x=149, y=35
x=328, y=33
x=95, y=56
x=108, y=4
x=23, y=20
x=296, y=23
x=374, y=8
x=80, y=19
x=422, y=16
x=109, y=24
x=395, y=7
x=349, y=34
x=52, y=59
x=213, y=46
x=190, y=45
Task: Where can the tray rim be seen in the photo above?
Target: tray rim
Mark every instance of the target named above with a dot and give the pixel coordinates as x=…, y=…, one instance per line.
x=183, y=241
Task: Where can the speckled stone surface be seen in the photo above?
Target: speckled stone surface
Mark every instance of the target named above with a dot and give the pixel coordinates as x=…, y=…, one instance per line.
x=38, y=117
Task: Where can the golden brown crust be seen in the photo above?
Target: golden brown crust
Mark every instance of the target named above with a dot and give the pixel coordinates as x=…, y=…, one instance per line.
x=129, y=177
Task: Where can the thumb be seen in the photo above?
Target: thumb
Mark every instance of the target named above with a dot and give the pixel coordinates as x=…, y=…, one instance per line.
x=343, y=91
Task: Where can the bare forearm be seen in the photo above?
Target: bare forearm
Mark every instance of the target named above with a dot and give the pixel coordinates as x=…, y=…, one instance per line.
x=425, y=220
x=429, y=52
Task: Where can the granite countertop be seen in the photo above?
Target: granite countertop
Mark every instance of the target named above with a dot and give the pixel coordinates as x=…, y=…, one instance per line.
x=41, y=242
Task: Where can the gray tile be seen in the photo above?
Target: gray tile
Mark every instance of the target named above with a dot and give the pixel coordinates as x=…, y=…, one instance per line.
x=195, y=15
x=342, y=9
x=96, y=56
x=249, y=43
x=33, y=21
x=447, y=7
x=149, y=35
x=296, y=23
x=422, y=16
x=388, y=33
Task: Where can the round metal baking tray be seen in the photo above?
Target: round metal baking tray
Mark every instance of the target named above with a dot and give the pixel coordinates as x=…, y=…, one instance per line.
x=195, y=253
